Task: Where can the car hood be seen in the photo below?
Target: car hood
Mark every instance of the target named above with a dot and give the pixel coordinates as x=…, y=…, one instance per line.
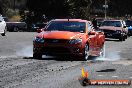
x=110, y=28
x=60, y=35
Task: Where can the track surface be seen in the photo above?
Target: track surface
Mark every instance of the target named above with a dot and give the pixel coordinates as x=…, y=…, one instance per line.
x=19, y=70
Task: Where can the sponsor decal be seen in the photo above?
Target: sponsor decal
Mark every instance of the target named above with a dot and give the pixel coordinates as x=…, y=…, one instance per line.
x=85, y=81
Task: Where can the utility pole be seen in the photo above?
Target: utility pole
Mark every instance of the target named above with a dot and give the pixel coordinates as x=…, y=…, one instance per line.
x=14, y=4
x=105, y=10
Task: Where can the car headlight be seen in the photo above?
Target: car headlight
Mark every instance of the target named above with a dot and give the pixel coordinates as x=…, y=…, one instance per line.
x=39, y=40
x=118, y=31
x=75, y=41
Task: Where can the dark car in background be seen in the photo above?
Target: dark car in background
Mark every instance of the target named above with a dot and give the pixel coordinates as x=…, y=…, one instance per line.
x=129, y=26
x=114, y=29
x=99, y=21
x=15, y=26
x=36, y=26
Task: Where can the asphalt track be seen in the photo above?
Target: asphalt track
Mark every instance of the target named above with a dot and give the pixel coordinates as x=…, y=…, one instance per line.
x=18, y=69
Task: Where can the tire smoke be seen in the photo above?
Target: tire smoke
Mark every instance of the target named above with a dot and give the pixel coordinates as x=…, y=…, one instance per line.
x=25, y=51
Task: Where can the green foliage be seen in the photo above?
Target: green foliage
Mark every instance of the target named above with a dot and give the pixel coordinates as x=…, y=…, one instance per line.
x=4, y=5
x=60, y=8
x=80, y=8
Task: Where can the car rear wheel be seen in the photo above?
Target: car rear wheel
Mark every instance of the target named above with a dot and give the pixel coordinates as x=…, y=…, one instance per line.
x=16, y=29
x=122, y=38
x=4, y=34
x=126, y=36
x=102, y=51
x=86, y=52
x=37, y=56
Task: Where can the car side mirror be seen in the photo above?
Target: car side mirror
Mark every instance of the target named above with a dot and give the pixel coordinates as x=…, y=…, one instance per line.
x=39, y=30
x=91, y=33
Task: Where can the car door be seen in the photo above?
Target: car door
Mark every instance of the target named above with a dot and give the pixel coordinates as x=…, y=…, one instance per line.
x=2, y=25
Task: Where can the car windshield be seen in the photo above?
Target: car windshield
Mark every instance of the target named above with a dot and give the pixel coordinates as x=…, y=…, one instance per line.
x=1, y=18
x=129, y=23
x=66, y=26
x=111, y=23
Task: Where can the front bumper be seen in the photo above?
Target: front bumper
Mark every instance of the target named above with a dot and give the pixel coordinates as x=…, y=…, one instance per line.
x=112, y=34
x=58, y=49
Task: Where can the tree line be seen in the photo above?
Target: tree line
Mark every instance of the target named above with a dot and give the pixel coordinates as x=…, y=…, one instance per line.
x=51, y=9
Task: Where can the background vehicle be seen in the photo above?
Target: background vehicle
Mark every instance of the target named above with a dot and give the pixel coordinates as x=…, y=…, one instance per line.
x=15, y=26
x=69, y=37
x=129, y=26
x=99, y=21
x=37, y=26
x=2, y=26
x=114, y=29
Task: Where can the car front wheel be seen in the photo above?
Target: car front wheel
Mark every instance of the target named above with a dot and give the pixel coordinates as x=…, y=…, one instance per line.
x=86, y=52
x=37, y=56
x=122, y=38
x=102, y=51
x=4, y=34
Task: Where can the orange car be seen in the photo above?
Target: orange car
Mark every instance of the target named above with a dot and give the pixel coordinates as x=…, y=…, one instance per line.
x=71, y=37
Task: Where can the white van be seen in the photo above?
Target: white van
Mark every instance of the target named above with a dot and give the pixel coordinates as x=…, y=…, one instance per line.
x=2, y=26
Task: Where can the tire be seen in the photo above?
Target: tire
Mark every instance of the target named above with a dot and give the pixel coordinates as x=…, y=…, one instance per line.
x=102, y=51
x=37, y=56
x=125, y=36
x=86, y=52
x=122, y=38
x=15, y=29
x=4, y=34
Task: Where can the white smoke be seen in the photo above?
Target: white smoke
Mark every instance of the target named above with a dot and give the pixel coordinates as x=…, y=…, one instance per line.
x=109, y=56
x=26, y=51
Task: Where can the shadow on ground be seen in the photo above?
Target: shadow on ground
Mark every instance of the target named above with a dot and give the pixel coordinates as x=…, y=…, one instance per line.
x=116, y=40
x=107, y=70
x=62, y=58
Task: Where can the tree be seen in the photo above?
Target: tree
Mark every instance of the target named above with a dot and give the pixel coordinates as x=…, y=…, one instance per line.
x=80, y=8
x=60, y=8
x=5, y=4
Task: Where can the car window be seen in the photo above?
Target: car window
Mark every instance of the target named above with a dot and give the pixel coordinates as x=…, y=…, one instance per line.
x=89, y=27
x=66, y=26
x=112, y=23
x=129, y=23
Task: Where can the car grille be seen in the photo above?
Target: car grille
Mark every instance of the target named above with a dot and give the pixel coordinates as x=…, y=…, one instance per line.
x=108, y=31
x=56, y=41
x=56, y=50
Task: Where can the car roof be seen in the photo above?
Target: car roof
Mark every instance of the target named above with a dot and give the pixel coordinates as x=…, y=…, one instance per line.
x=76, y=20
x=113, y=20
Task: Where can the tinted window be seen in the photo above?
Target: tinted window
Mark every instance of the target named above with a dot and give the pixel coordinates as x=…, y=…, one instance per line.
x=111, y=23
x=89, y=27
x=40, y=25
x=129, y=23
x=66, y=26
